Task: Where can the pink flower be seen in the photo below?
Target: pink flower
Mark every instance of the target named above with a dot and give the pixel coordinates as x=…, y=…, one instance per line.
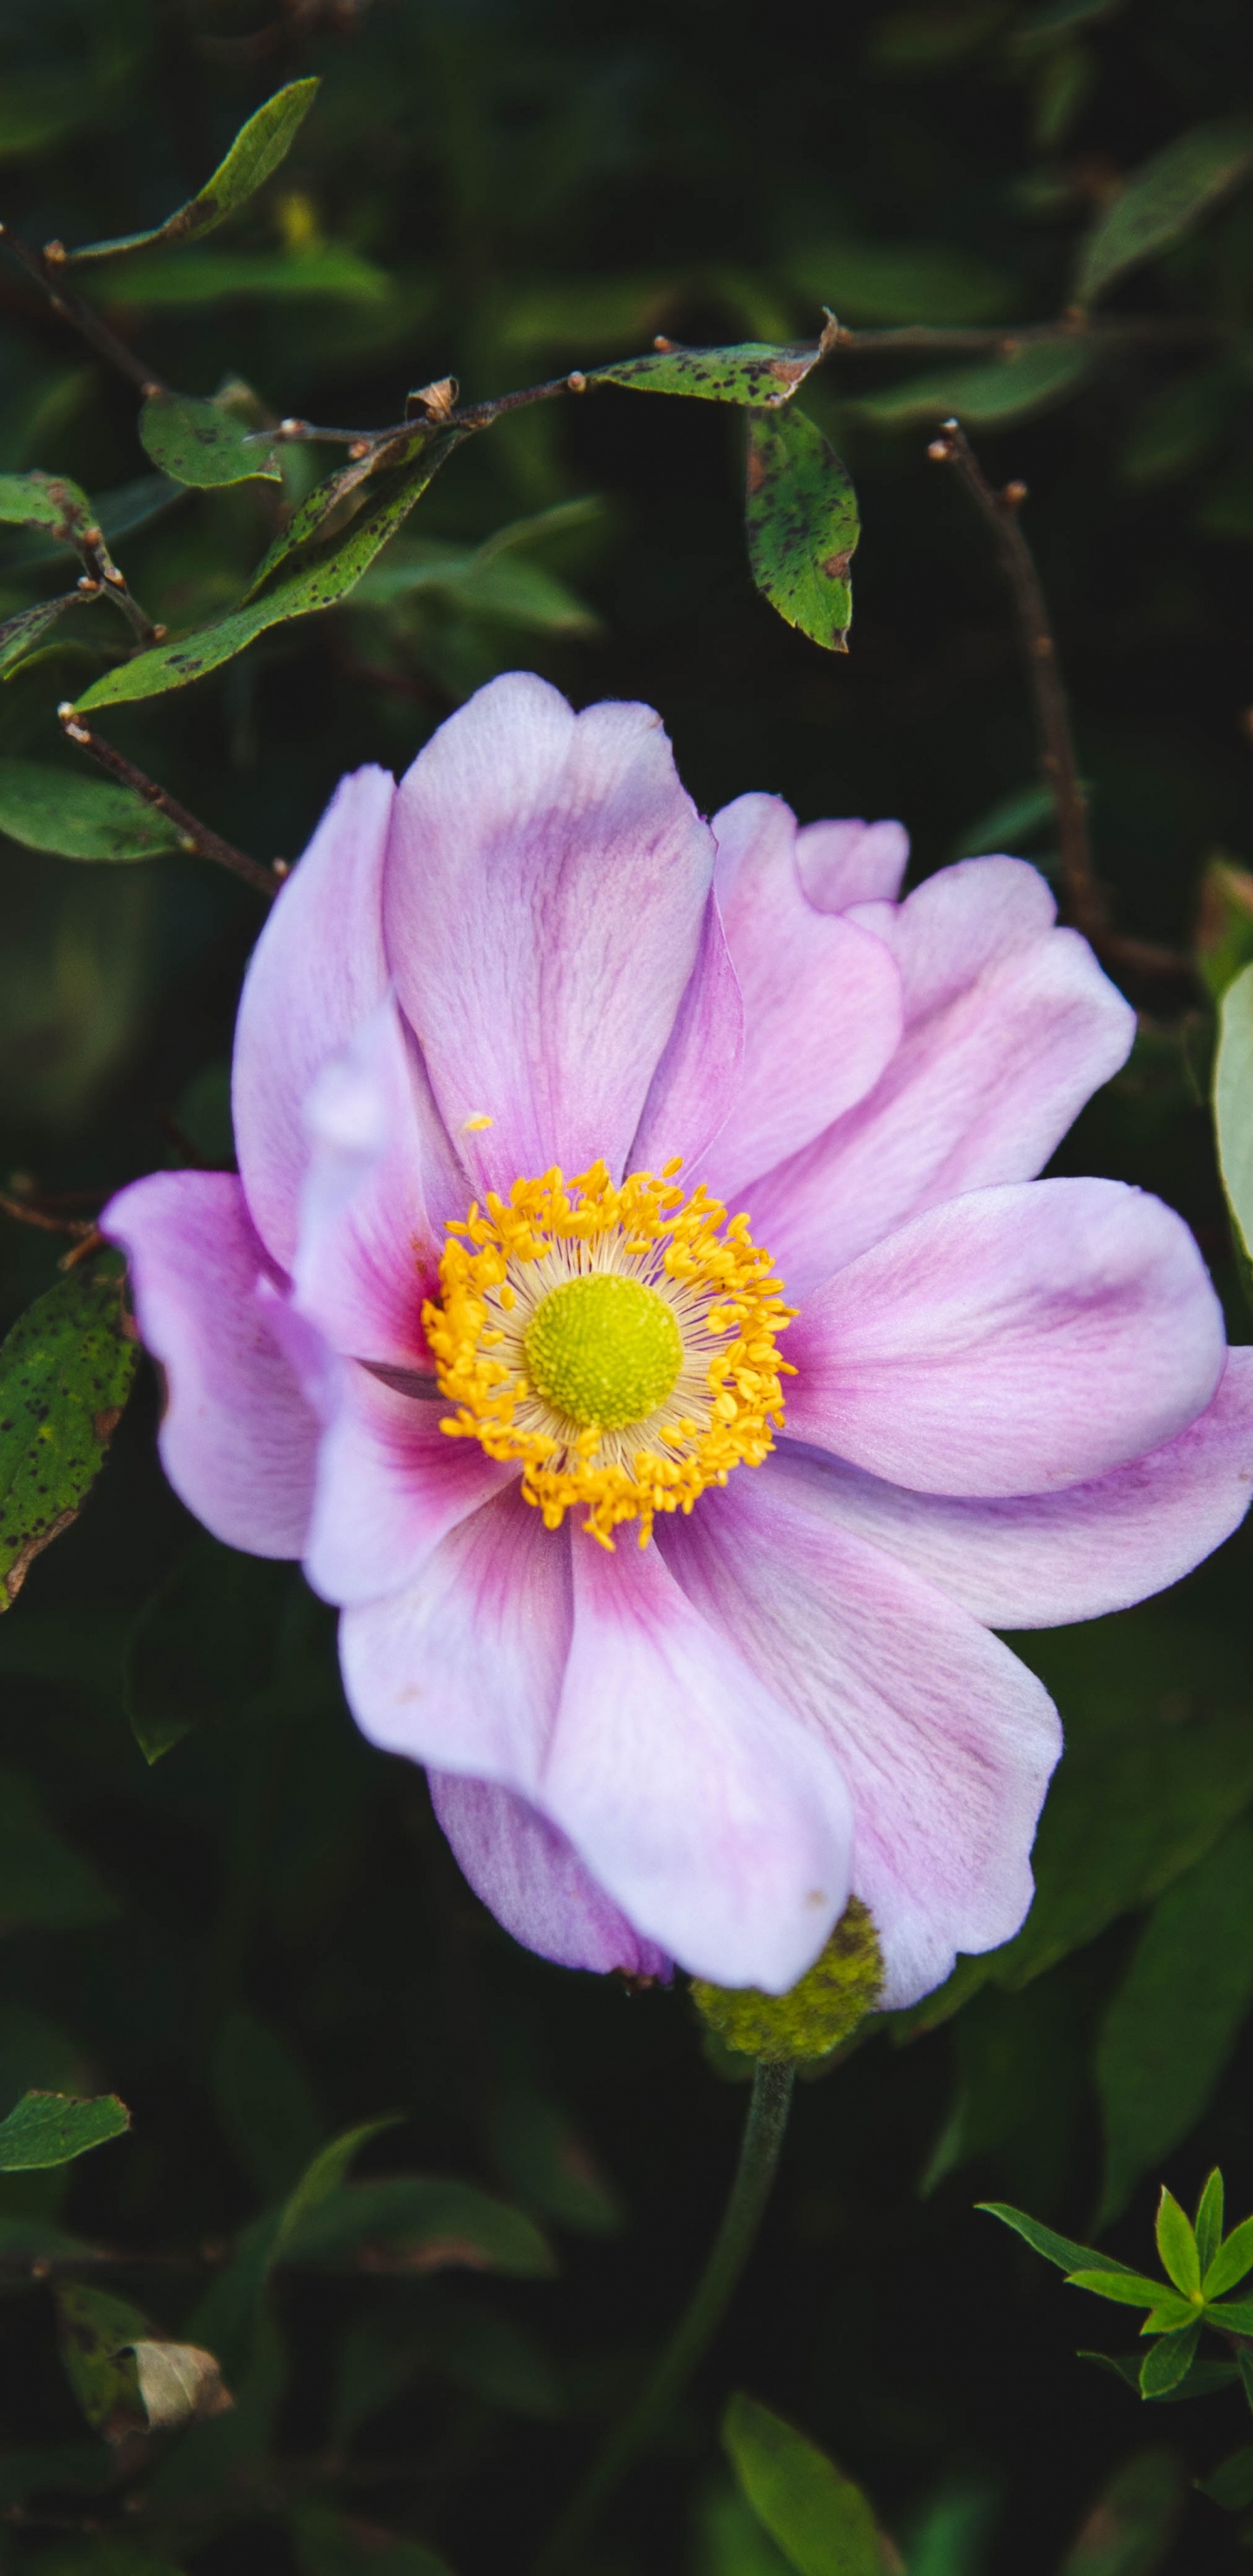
x=1009, y=1402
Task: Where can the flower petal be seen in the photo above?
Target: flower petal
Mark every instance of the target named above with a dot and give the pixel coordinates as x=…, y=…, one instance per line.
x=1011, y=1025
x=696, y=1082
x=544, y=902
x=1015, y=1340
x=390, y=1486
x=316, y=972
x=381, y=1185
x=535, y=1883
x=822, y=999
x=463, y=1669
x=855, y=862
x=238, y=1440
x=1041, y=1560
x=716, y=1823
x=945, y=1739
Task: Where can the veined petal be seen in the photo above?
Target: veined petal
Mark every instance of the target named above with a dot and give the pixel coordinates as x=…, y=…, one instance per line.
x=318, y=970
x=1012, y=1341
x=1011, y=1025
x=1041, y=1560
x=534, y=1882
x=822, y=998
x=390, y=1486
x=381, y=1185
x=238, y=1439
x=545, y=899
x=694, y=1087
x=945, y=1740
x=463, y=1669
x=707, y=1813
x=853, y=862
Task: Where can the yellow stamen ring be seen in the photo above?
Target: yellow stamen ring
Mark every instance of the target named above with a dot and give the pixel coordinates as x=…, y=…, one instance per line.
x=619, y=1341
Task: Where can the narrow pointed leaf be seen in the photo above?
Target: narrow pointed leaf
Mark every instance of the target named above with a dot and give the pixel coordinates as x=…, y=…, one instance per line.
x=1169, y=2361
x=1232, y=2261
x=1170, y=2313
x=20, y=635
x=1233, y=1102
x=987, y=396
x=1234, y=2316
x=51, y=2129
x=256, y=152
x=1231, y=2483
x=1132, y=2522
x=756, y=374
x=820, y=2520
x=802, y=522
x=78, y=817
x=1061, y=2250
x=1209, y=2223
x=321, y=583
x=1164, y=199
x=203, y=443
x=317, y=505
x=65, y=1374
x=1177, y=2245
x=1130, y=2289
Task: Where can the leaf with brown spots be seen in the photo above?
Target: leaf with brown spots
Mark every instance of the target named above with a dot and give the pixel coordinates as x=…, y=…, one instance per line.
x=257, y=150
x=756, y=373
x=65, y=1373
x=801, y=514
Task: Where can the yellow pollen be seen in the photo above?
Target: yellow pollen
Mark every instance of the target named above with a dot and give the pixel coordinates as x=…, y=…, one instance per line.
x=618, y=1340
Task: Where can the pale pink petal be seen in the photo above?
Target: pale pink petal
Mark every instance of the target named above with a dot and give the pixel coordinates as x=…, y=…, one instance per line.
x=696, y=1082
x=1013, y=1026
x=1015, y=1340
x=717, y=1824
x=390, y=1486
x=945, y=1739
x=822, y=999
x=855, y=862
x=316, y=972
x=534, y=1883
x=238, y=1440
x=1041, y=1560
x=463, y=1669
x=380, y=1187
x=544, y=903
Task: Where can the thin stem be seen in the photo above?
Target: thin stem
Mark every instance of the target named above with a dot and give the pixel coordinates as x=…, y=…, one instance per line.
x=758, y=2162
x=77, y=1228
x=1084, y=899
x=193, y=834
x=49, y=274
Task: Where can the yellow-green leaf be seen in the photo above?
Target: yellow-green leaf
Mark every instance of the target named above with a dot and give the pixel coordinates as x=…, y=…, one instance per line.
x=801, y=515
x=256, y=152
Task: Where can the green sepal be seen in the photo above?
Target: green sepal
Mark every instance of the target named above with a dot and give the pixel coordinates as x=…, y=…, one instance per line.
x=818, y=2013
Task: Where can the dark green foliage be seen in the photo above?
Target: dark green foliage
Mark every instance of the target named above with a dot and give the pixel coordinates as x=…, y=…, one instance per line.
x=50, y=2129
x=78, y=817
x=802, y=525
x=65, y=1374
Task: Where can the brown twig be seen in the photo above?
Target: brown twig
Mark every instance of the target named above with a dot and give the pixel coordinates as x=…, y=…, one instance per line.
x=79, y=1229
x=193, y=834
x=73, y=309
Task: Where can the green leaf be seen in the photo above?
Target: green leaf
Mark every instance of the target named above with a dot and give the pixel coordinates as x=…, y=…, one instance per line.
x=1176, y=2244
x=1131, y=2289
x=1204, y=2379
x=79, y=817
x=96, y=2333
x=1133, y=2521
x=756, y=374
x=331, y=2544
x=264, y=2103
x=1164, y=199
x=45, y=501
x=45, y=1884
x=203, y=443
x=988, y=396
x=204, y=1648
x=317, y=505
x=227, y=2318
x=1209, y=2231
x=729, y=2538
x=1232, y=2263
x=65, y=1374
x=1179, y=425
x=1230, y=2316
x=20, y=635
x=801, y=515
x=1233, y=1102
x=51, y=2129
x=1172, y=2023
x=1231, y=2483
x=177, y=281
x=256, y=152
x=1061, y=2250
x=888, y=281
x=1169, y=2361
x=547, y=2162
x=820, y=2520
x=417, y=2223
x=321, y=583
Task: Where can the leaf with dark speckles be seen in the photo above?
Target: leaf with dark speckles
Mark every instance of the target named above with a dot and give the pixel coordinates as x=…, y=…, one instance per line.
x=65, y=1374
x=802, y=522
x=757, y=373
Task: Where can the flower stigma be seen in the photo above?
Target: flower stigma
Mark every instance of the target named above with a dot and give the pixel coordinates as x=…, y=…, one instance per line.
x=619, y=1340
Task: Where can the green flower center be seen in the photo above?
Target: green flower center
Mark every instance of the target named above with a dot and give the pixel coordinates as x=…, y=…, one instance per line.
x=603, y=1348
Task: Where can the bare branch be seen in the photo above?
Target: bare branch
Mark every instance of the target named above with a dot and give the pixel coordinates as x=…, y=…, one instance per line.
x=193, y=834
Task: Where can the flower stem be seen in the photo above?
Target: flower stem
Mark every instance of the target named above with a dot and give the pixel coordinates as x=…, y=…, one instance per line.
x=759, y=2156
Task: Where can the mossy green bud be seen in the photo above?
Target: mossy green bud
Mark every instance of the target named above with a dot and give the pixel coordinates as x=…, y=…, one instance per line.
x=817, y=2013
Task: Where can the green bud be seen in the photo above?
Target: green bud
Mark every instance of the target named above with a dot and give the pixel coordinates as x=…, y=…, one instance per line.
x=817, y=2013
